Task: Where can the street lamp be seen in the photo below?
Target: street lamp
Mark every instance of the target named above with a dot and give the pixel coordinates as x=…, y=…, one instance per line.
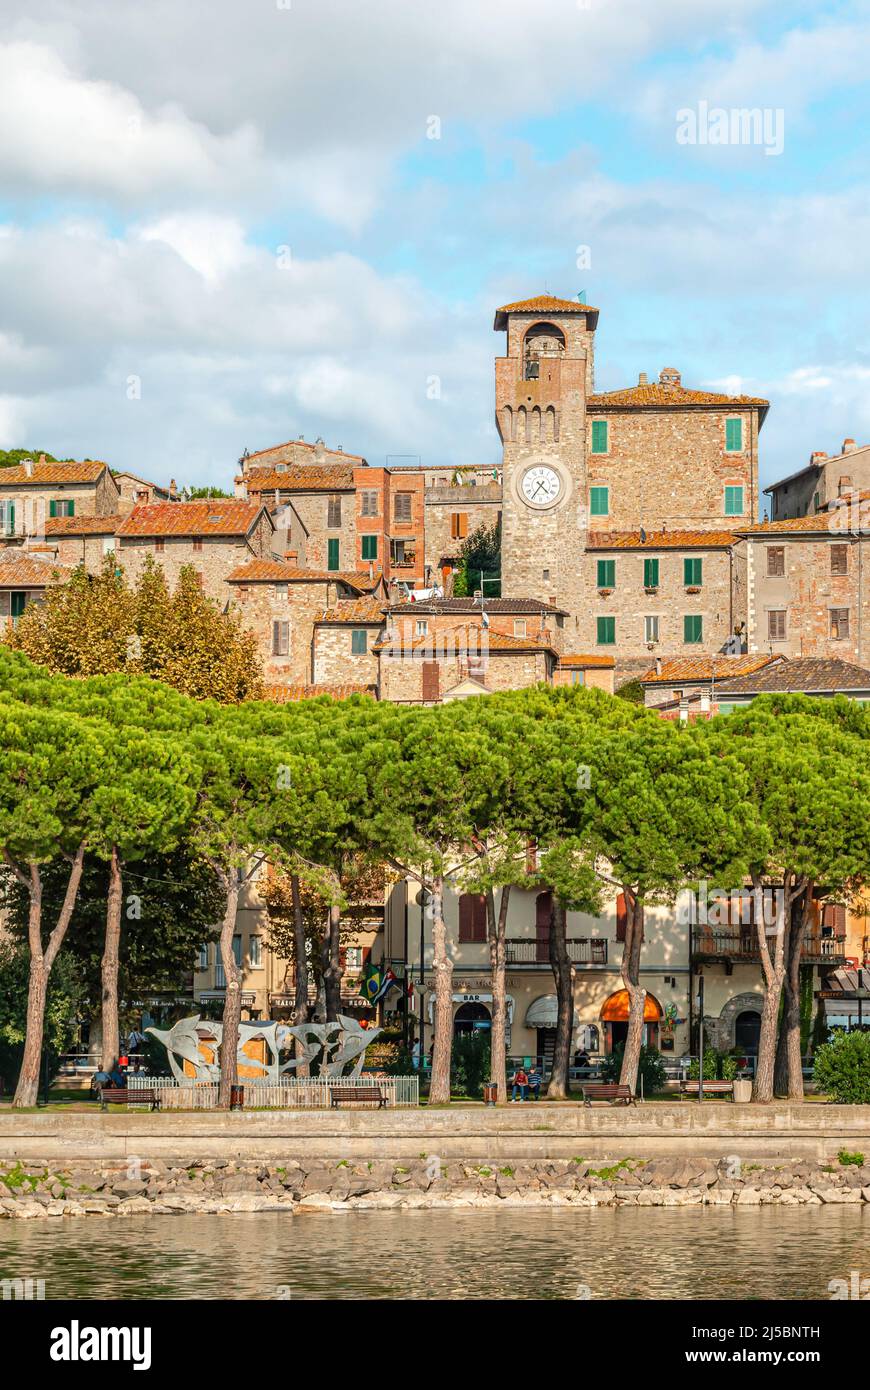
x=700, y=1037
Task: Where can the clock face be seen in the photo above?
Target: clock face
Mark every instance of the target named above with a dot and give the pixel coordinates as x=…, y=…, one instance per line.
x=541, y=486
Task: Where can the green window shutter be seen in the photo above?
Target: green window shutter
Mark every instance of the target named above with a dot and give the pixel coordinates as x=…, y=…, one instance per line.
x=734, y=501
x=693, y=628
x=692, y=570
x=359, y=641
x=650, y=574
x=606, y=632
x=734, y=436
x=606, y=574
x=370, y=547
x=10, y=518
x=332, y=553
x=52, y=508
x=599, y=436
x=71, y=508
x=599, y=501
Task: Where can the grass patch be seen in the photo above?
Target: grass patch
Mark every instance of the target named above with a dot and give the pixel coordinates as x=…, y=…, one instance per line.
x=624, y=1165
x=848, y=1160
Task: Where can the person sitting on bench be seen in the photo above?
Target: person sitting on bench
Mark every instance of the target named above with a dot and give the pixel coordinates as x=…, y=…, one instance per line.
x=520, y=1083
x=535, y=1079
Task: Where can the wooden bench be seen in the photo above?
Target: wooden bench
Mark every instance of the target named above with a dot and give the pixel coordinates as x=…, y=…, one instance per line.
x=348, y=1094
x=609, y=1091
x=711, y=1088
x=116, y=1095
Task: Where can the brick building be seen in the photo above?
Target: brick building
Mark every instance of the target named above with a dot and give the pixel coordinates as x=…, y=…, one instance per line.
x=214, y=537
x=34, y=492
x=24, y=578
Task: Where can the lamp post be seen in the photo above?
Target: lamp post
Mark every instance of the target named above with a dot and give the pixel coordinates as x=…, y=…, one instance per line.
x=700, y=1037
x=424, y=898
x=861, y=993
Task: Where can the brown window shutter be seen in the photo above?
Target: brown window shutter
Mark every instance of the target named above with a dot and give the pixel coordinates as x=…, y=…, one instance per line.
x=479, y=926
x=466, y=917
x=463, y=524
x=431, y=681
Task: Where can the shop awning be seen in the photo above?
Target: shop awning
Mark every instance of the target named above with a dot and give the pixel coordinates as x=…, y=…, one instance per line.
x=615, y=1009
x=542, y=1013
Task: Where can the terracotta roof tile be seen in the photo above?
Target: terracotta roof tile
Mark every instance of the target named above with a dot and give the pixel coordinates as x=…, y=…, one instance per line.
x=822, y=523
x=591, y=663
x=659, y=540
x=468, y=605
x=805, y=674
x=462, y=638
x=543, y=304
x=214, y=517
x=19, y=572
x=354, y=610
x=657, y=394
x=43, y=474
x=331, y=478
x=84, y=525
x=302, y=444
x=285, y=694
x=705, y=668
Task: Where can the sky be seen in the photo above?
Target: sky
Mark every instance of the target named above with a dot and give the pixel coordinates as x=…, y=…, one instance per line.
x=228, y=223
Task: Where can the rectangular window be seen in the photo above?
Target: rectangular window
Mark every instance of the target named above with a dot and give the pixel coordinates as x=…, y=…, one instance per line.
x=606, y=574
x=734, y=501
x=202, y=960
x=359, y=641
x=693, y=627
x=281, y=593
x=651, y=627
x=333, y=511
x=472, y=917
x=369, y=547
x=776, y=625
x=776, y=560
x=458, y=525
x=519, y=627
x=332, y=553
x=402, y=503
x=606, y=632
x=599, y=501
x=197, y=542
x=839, y=624
x=839, y=559
x=159, y=545
x=256, y=952
x=650, y=574
x=368, y=503
x=237, y=949
x=599, y=436
x=7, y=518
x=280, y=639
x=734, y=436
x=692, y=570
x=61, y=506
x=421, y=627
x=578, y=677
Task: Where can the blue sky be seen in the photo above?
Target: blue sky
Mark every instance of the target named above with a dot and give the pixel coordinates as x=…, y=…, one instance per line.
x=226, y=225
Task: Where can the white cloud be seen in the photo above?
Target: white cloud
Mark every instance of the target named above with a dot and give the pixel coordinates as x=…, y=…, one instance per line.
x=211, y=245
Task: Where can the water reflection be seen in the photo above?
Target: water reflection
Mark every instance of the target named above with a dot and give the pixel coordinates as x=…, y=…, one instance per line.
x=715, y=1253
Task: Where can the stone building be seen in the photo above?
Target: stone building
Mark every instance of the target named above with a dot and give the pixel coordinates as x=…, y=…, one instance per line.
x=136, y=492
x=346, y=641
x=213, y=536
x=661, y=593
x=673, y=680
x=821, y=482
x=512, y=617
x=465, y=660
x=806, y=586
x=83, y=540
x=34, y=492
x=24, y=578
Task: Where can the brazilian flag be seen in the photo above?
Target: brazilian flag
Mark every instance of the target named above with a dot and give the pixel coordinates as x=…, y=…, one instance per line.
x=372, y=983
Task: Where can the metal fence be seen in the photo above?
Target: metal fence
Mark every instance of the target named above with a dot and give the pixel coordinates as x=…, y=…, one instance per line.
x=291, y=1093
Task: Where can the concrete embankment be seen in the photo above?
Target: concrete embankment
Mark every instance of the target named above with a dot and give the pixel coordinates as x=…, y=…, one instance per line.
x=776, y=1133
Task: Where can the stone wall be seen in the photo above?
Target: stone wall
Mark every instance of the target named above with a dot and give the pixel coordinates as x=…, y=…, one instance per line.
x=807, y=592
x=214, y=561
x=260, y=607
x=401, y=678
x=334, y=660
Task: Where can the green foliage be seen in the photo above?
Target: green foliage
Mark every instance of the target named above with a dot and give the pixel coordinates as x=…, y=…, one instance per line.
x=470, y=1063
x=206, y=492
x=651, y=1068
x=842, y=1068
x=65, y=995
x=479, y=556
x=718, y=1066
x=847, y=1159
x=631, y=691
x=10, y=457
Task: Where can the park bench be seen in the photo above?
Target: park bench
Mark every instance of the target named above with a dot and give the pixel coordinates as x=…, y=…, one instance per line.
x=609, y=1091
x=116, y=1095
x=339, y=1095
x=711, y=1088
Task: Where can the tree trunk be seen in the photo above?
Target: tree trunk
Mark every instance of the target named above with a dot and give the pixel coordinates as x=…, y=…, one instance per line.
x=332, y=972
x=497, y=925
x=636, y=992
x=233, y=999
x=442, y=970
x=788, y=1073
x=300, y=971
x=773, y=969
x=560, y=962
x=109, y=965
x=41, y=962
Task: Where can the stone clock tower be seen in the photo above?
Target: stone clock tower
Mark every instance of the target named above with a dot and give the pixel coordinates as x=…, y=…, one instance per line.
x=541, y=387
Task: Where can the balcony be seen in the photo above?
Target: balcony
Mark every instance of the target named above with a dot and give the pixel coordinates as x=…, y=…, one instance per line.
x=529, y=951
x=730, y=945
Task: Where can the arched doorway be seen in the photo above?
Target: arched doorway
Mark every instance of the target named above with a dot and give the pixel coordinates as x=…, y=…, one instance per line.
x=747, y=1030
x=614, y=1016
x=471, y=1018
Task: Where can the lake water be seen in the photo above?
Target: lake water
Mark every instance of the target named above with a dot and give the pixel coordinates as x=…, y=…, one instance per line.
x=696, y=1253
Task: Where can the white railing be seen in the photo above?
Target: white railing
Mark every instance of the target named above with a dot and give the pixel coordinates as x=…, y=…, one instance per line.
x=291, y=1093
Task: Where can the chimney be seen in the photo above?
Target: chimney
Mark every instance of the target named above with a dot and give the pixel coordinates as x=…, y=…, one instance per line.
x=240, y=488
x=28, y=468
x=291, y=556
x=42, y=458
x=669, y=377
x=848, y=446
x=173, y=490
x=818, y=456
x=642, y=379
x=658, y=665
